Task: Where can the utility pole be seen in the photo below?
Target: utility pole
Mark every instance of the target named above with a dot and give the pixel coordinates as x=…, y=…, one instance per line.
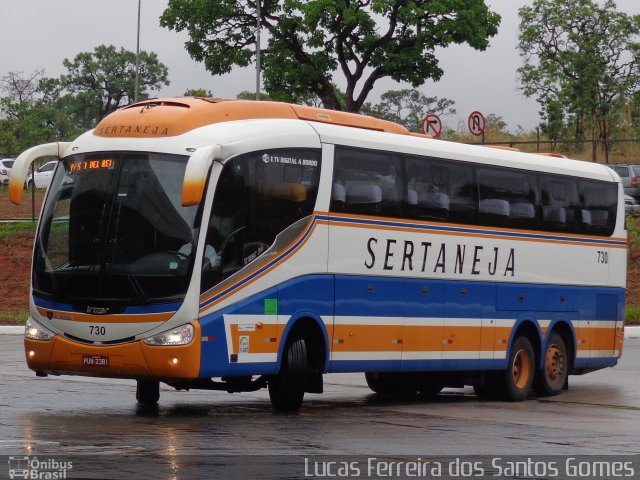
x=258, y=15
x=137, y=86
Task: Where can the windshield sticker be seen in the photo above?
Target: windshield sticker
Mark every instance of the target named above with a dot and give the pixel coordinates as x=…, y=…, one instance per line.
x=244, y=344
x=305, y=162
x=102, y=164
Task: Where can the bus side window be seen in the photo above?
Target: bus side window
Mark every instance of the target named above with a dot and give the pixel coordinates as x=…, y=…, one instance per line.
x=257, y=197
x=463, y=194
x=428, y=189
x=597, y=203
x=507, y=198
x=367, y=183
x=559, y=203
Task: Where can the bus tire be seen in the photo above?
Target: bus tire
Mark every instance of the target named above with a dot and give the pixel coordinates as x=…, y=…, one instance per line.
x=147, y=392
x=286, y=389
x=390, y=383
x=550, y=380
x=518, y=378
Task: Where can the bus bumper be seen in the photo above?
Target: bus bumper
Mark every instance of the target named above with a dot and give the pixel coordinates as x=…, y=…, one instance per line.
x=61, y=356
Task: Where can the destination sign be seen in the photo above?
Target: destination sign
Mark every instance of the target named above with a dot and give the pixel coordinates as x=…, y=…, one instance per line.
x=100, y=164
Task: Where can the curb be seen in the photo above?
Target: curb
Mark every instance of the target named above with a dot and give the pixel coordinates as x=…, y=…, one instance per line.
x=629, y=332
x=11, y=330
x=632, y=331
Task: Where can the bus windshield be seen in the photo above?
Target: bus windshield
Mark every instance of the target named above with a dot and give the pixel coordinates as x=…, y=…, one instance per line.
x=113, y=231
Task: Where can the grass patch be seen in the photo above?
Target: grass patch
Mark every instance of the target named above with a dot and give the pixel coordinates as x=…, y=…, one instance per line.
x=7, y=229
x=13, y=318
x=632, y=316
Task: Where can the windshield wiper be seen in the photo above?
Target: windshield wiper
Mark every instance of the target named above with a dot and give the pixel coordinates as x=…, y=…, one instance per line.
x=135, y=284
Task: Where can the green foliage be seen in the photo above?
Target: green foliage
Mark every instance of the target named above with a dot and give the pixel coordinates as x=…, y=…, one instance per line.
x=198, y=92
x=632, y=316
x=37, y=109
x=581, y=62
x=309, y=41
x=409, y=107
x=13, y=318
x=633, y=236
x=7, y=229
x=246, y=95
x=104, y=80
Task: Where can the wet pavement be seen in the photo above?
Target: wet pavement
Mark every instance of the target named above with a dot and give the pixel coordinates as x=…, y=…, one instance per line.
x=95, y=424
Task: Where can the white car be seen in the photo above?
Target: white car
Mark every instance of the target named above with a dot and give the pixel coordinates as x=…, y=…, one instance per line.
x=630, y=205
x=5, y=170
x=42, y=176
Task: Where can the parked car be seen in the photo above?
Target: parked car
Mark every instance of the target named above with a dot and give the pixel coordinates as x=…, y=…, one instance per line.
x=630, y=176
x=630, y=205
x=5, y=170
x=42, y=176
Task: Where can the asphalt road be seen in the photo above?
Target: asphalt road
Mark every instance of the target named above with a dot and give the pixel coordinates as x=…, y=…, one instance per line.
x=95, y=424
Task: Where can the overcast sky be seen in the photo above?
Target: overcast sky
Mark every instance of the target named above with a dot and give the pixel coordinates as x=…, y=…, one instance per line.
x=39, y=34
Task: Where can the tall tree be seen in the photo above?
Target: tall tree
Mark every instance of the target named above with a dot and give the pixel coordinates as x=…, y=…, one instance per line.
x=310, y=40
x=21, y=87
x=409, y=107
x=28, y=115
x=104, y=80
x=580, y=61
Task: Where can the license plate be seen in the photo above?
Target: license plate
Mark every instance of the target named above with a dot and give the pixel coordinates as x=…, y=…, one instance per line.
x=95, y=360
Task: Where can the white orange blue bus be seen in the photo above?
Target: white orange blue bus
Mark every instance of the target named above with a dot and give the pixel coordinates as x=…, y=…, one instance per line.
x=239, y=245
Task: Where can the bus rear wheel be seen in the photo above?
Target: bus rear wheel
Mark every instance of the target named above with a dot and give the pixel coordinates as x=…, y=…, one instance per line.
x=553, y=376
x=148, y=392
x=286, y=389
x=518, y=378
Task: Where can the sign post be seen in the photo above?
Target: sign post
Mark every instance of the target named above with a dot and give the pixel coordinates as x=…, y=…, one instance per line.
x=476, y=123
x=432, y=125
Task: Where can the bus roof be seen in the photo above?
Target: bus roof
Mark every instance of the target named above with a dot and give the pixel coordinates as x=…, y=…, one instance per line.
x=170, y=117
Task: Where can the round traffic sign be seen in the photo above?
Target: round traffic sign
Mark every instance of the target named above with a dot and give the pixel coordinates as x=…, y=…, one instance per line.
x=432, y=125
x=476, y=123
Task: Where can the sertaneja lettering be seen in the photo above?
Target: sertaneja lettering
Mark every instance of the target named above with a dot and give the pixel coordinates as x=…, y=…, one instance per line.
x=427, y=257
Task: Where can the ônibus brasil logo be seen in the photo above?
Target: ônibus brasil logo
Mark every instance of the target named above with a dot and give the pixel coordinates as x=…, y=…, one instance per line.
x=32, y=468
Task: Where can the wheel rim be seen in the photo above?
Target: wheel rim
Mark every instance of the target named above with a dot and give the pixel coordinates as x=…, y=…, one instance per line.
x=554, y=363
x=521, y=369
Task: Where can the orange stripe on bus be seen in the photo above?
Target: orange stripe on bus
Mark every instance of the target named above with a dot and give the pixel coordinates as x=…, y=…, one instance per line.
x=477, y=235
x=469, y=226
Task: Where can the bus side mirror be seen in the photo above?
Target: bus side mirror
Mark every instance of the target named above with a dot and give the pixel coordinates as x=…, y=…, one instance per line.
x=195, y=175
x=21, y=166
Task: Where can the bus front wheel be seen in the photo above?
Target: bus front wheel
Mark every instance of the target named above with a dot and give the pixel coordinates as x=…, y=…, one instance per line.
x=553, y=376
x=148, y=392
x=286, y=389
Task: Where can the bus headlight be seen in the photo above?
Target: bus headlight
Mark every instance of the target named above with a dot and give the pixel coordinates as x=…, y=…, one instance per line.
x=176, y=336
x=35, y=331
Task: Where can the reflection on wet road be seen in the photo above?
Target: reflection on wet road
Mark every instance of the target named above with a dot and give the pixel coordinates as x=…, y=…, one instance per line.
x=97, y=423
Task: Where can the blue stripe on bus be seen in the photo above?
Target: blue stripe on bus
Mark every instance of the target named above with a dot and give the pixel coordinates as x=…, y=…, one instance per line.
x=323, y=296
x=130, y=310
x=448, y=365
x=596, y=363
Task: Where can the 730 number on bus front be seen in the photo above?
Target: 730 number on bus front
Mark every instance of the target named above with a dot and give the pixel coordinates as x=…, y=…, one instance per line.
x=603, y=256
x=97, y=330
